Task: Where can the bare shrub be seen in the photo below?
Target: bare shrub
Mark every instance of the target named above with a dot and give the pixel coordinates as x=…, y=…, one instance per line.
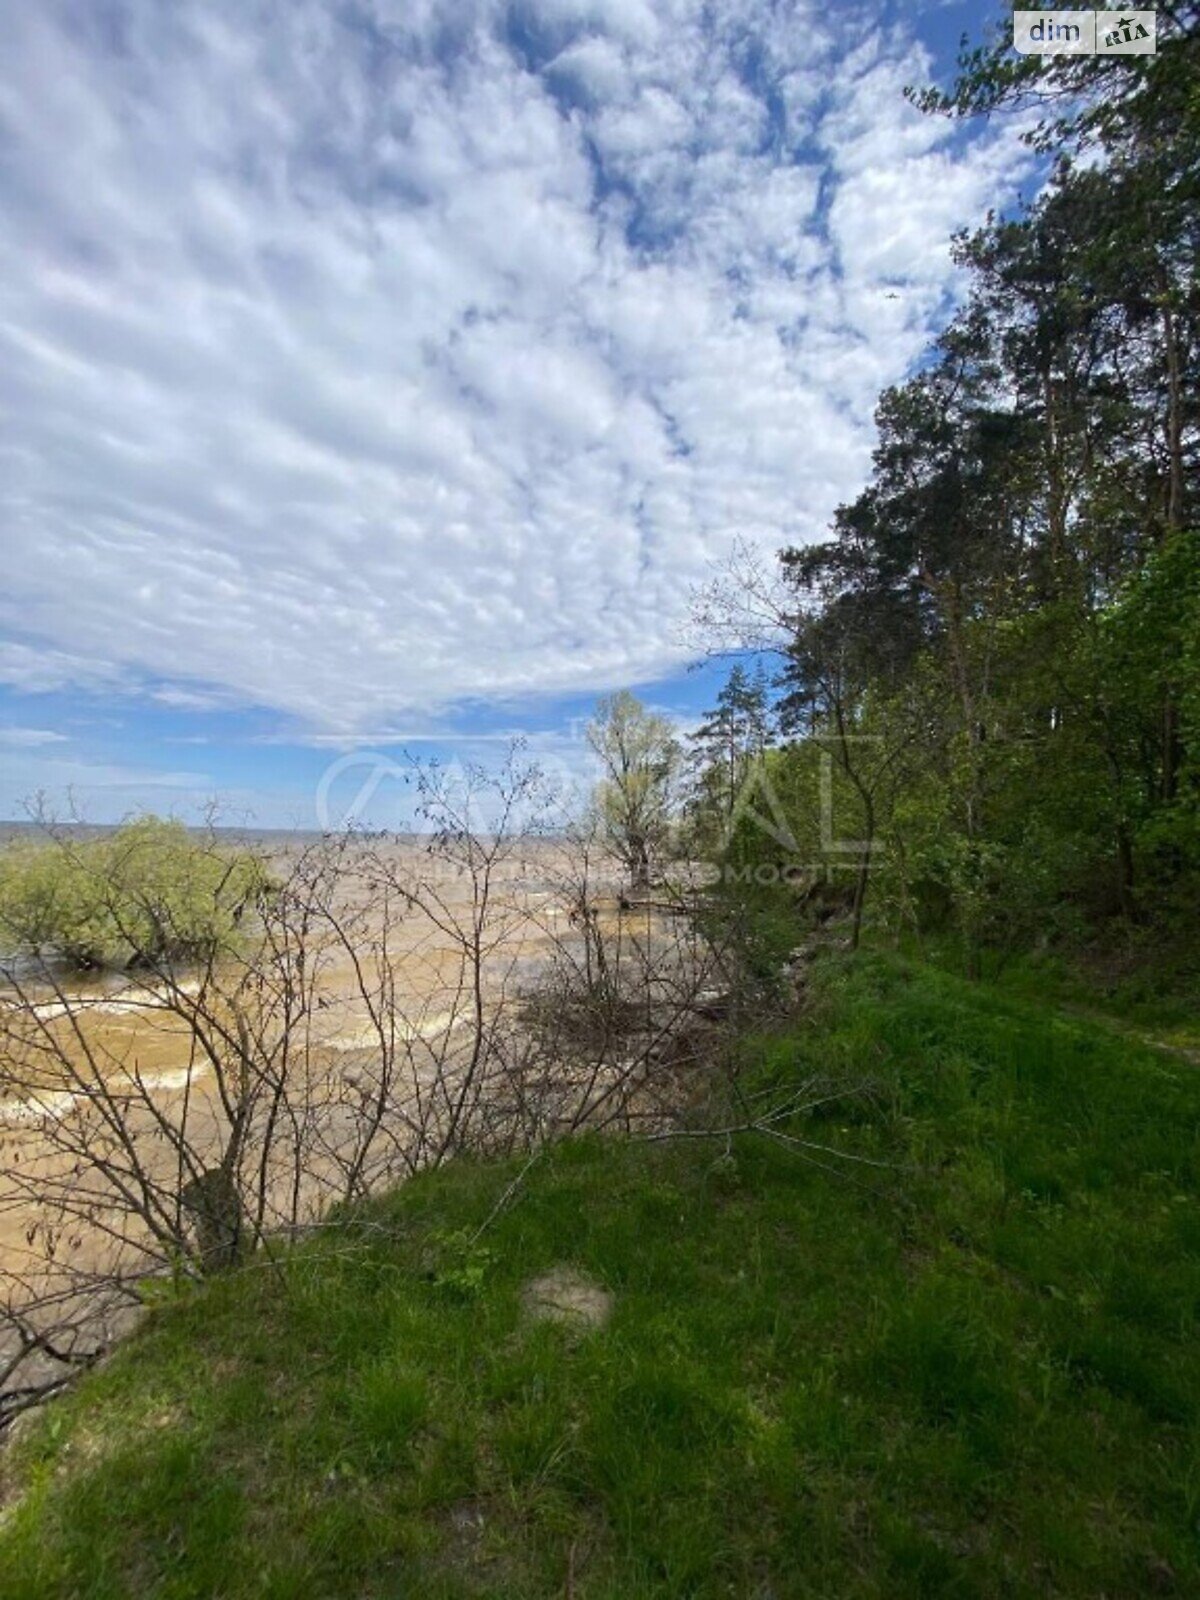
x=378, y=1006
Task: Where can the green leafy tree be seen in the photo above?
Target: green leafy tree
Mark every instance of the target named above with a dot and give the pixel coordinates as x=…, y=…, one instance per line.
x=997, y=644
x=635, y=798
x=149, y=892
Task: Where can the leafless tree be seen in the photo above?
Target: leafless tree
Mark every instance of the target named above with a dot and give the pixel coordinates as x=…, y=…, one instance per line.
x=383, y=1005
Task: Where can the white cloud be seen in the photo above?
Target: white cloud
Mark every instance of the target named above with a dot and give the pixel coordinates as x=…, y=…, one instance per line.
x=356, y=362
x=29, y=738
x=99, y=791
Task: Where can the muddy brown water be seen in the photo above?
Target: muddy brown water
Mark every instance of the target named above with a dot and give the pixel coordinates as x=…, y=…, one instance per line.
x=122, y=1025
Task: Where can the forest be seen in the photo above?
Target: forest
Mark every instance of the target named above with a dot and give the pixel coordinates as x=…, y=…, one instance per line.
x=996, y=651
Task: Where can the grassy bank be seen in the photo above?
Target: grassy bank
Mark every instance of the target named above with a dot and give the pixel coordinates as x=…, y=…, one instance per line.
x=972, y=1372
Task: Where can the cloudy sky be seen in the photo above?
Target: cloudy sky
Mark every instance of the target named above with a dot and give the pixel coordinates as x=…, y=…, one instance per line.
x=387, y=372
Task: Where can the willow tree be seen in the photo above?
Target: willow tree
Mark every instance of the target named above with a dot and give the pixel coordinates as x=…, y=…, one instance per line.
x=640, y=759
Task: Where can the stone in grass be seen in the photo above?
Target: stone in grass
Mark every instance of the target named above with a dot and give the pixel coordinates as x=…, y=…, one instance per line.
x=566, y=1296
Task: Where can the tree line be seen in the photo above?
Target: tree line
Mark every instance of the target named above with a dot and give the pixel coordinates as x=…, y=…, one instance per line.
x=986, y=715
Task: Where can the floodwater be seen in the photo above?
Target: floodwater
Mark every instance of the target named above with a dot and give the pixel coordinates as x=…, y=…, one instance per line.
x=59, y=1036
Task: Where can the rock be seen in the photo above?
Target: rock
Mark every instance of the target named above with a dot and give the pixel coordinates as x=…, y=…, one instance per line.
x=568, y=1297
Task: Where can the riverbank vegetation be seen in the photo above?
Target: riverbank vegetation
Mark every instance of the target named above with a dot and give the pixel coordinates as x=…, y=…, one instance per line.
x=377, y=1009
x=971, y=1370
x=133, y=897
x=987, y=717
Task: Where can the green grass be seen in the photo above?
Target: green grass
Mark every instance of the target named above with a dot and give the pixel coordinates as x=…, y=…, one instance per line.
x=978, y=1377
x=1147, y=979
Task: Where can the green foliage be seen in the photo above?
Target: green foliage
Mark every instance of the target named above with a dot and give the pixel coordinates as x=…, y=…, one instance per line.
x=992, y=669
x=1080, y=101
x=725, y=749
x=1149, y=651
x=464, y=1263
x=147, y=892
x=974, y=1371
x=639, y=758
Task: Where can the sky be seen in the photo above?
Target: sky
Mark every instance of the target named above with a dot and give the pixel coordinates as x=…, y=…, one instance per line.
x=382, y=378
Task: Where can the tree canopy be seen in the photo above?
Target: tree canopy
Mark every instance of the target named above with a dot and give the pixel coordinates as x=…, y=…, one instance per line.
x=999, y=640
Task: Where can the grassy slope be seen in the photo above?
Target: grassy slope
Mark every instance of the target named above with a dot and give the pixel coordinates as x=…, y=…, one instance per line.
x=981, y=1381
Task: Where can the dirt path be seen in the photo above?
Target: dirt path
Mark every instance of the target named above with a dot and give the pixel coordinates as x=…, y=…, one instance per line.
x=1132, y=1031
